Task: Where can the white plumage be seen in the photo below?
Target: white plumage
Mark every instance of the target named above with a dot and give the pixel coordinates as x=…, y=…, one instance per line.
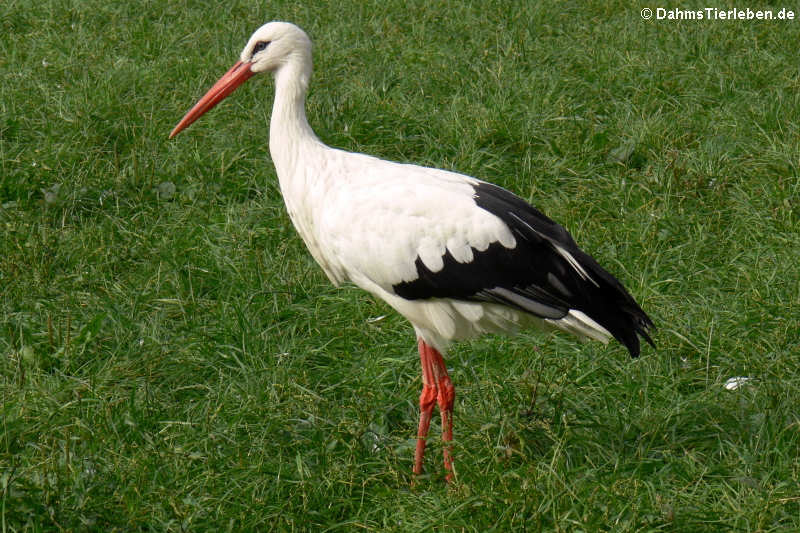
x=455, y=255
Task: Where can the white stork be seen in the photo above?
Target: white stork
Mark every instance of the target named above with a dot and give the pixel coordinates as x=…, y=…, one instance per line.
x=455, y=255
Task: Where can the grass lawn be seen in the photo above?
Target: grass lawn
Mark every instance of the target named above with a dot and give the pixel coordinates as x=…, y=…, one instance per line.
x=172, y=359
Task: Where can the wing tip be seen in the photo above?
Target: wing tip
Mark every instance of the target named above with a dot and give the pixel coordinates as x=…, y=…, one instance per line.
x=641, y=327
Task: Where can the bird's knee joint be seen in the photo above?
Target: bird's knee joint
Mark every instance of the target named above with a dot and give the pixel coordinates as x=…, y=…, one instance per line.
x=428, y=396
x=447, y=394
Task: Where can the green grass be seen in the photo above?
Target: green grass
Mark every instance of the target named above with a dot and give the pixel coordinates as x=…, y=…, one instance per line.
x=172, y=359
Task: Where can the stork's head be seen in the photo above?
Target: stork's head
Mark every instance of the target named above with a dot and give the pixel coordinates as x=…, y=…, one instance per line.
x=272, y=47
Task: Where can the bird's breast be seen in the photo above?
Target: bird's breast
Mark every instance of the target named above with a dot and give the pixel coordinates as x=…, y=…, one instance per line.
x=306, y=198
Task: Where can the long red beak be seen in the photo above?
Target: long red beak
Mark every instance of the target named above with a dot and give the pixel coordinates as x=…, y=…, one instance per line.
x=237, y=75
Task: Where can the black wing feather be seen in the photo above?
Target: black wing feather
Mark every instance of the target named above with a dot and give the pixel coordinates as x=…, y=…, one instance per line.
x=533, y=276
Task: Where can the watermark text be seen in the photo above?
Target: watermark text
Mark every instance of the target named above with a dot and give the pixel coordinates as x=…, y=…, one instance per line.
x=713, y=13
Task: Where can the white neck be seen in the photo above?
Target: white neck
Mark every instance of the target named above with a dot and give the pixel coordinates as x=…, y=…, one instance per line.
x=290, y=136
x=298, y=155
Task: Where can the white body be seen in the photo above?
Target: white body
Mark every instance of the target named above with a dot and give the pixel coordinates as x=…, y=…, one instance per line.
x=367, y=220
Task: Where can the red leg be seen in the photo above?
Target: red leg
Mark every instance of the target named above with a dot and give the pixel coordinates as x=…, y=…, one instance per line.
x=426, y=403
x=436, y=384
x=446, y=397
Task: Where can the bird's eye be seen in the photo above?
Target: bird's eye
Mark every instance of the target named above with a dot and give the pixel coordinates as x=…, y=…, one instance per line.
x=260, y=45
